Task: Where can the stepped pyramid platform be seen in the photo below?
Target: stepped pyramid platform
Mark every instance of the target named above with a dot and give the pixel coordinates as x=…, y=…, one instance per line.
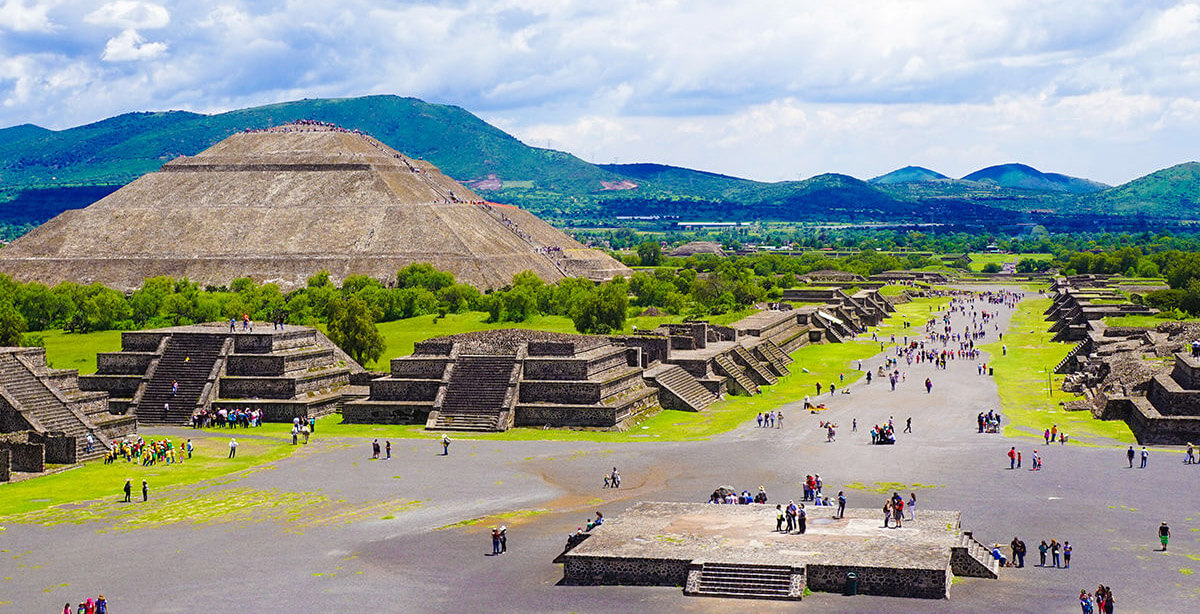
x=295, y=372
x=44, y=408
x=282, y=204
x=1170, y=411
x=494, y=380
x=733, y=551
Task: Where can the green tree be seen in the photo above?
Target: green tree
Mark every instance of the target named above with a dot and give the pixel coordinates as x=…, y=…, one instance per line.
x=352, y=328
x=602, y=310
x=12, y=324
x=650, y=253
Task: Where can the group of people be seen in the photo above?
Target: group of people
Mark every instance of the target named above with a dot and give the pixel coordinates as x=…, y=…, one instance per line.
x=499, y=540
x=883, y=434
x=99, y=606
x=730, y=497
x=148, y=453
x=1014, y=459
x=580, y=534
x=612, y=479
x=770, y=419
x=894, y=506
x=989, y=422
x=1103, y=598
x=1052, y=434
x=227, y=418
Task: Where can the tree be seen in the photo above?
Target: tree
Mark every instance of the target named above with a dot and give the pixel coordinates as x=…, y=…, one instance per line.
x=991, y=267
x=352, y=328
x=602, y=310
x=650, y=253
x=12, y=325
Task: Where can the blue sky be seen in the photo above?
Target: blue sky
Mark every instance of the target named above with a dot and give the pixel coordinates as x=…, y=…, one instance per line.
x=1104, y=89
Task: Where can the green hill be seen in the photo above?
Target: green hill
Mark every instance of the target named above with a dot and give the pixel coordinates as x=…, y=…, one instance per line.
x=1171, y=192
x=908, y=174
x=13, y=134
x=1024, y=177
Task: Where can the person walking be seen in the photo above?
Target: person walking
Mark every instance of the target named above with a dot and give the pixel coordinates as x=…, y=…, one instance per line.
x=1066, y=555
x=802, y=519
x=233, y=445
x=1164, y=534
x=1012, y=457
x=1129, y=454
x=145, y=491
x=128, y=490
x=841, y=512
x=908, y=425
x=387, y=450
x=375, y=449
x=189, y=448
x=912, y=506
x=1145, y=457
x=928, y=385
x=445, y=445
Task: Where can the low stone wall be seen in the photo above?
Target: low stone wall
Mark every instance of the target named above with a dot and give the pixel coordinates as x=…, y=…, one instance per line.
x=536, y=415
x=123, y=363
x=389, y=389
x=654, y=349
x=599, y=570
x=5, y=465
x=284, y=410
x=141, y=341
x=60, y=450
x=277, y=364
x=1171, y=399
x=890, y=582
x=367, y=412
x=551, y=348
x=25, y=457
x=123, y=386
x=1151, y=427
x=417, y=367
x=432, y=348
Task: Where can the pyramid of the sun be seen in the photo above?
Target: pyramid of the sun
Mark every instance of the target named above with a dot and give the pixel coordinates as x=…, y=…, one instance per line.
x=280, y=205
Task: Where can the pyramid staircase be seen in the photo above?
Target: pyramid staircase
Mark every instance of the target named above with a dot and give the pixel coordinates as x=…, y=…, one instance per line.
x=680, y=384
x=189, y=359
x=773, y=357
x=744, y=581
x=972, y=559
x=755, y=369
x=51, y=412
x=730, y=369
x=478, y=395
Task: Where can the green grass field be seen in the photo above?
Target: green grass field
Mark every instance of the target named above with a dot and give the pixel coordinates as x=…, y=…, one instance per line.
x=97, y=481
x=78, y=351
x=1143, y=321
x=1029, y=391
x=980, y=260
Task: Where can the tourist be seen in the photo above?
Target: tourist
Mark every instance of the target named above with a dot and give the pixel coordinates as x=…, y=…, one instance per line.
x=128, y=494
x=1145, y=457
x=912, y=506
x=101, y=605
x=1085, y=601
x=928, y=385
x=778, y=419
x=779, y=517
x=445, y=446
x=375, y=450
x=1164, y=534
x=189, y=448
x=616, y=478
x=496, y=541
x=1012, y=457
x=1053, y=432
x=908, y=425
x=145, y=491
x=999, y=556
x=887, y=512
x=841, y=511
x=1018, y=552
x=1191, y=455
x=1018, y=459
x=1066, y=554
x=503, y=539
x=1042, y=549
x=1054, y=548
x=791, y=516
x=233, y=445
x=387, y=447
x=802, y=519
x=1129, y=454
x=760, y=419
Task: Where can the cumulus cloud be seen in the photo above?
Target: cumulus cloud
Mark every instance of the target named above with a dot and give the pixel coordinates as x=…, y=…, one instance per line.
x=129, y=45
x=130, y=14
x=767, y=88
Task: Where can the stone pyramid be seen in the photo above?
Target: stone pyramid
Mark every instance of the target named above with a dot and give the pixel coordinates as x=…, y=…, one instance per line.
x=281, y=204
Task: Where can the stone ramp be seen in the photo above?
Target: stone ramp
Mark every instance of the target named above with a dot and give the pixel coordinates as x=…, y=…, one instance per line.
x=477, y=394
x=677, y=383
x=37, y=400
x=745, y=581
x=188, y=359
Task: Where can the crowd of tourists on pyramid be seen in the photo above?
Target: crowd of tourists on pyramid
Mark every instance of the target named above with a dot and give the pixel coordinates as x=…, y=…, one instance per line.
x=148, y=453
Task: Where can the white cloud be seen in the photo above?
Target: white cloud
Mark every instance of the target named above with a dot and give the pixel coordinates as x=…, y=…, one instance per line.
x=129, y=45
x=130, y=14
x=26, y=16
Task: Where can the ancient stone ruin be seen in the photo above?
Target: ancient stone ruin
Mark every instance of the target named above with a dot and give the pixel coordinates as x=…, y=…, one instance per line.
x=495, y=380
x=292, y=373
x=45, y=417
x=280, y=205
x=731, y=551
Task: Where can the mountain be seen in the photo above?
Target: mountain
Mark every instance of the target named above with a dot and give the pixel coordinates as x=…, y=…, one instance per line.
x=674, y=179
x=908, y=174
x=1023, y=177
x=13, y=134
x=1171, y=192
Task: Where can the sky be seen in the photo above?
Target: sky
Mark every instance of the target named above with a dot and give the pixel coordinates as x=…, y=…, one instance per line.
x=768, y=90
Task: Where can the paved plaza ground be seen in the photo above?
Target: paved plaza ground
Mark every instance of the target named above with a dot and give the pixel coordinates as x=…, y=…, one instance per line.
x=327, y=529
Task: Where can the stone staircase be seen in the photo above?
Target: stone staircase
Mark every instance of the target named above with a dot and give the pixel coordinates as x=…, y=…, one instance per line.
x=40, y=402
x=477, y=394
x=188, y=359
x=759, y=372
x=1063, y=365
x=739, y=377
x=679, y=383
x=773, y=357
x=744, y=581
x=972, y=559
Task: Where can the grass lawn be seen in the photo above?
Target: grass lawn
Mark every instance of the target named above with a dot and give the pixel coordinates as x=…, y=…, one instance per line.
x=1142, y=321
x=825, y=363
x=1029, y=391
x=78, y=351
x=95, y=480
x=980, y=260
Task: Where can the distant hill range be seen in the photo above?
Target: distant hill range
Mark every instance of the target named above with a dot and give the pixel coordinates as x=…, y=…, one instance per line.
x=43, y=172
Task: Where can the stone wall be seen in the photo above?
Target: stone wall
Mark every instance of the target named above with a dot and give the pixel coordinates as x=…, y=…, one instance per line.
x=122, y=386
x=285, y=410
x=60, y=450
x=891, y=582
x=586, y=416
x=404, y=390
x=599, y=570
x=416, y=367
x=551, y=348
x=25, y=457
x=272, y=364
x=11, y=420
x=654, y=349
x=123, y=362
x=432, y=348
x=141, y=341
x=386, y=413
x=5, y=465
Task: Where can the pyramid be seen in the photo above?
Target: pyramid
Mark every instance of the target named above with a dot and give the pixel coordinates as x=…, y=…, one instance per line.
x=281, y=204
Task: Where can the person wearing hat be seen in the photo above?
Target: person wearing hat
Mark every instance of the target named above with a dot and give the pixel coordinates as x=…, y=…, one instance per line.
x=1164, y=534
